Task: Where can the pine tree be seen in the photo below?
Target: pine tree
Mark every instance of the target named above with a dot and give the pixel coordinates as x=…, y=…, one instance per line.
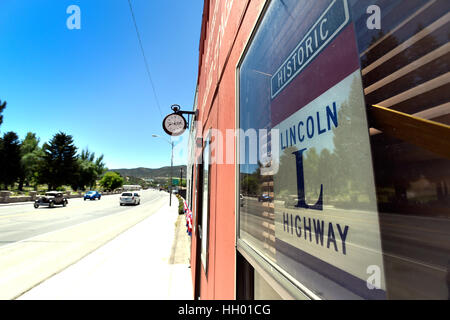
x=60, y=163
x=2, y=107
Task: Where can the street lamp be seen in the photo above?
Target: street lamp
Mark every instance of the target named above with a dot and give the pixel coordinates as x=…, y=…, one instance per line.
x=171, y=165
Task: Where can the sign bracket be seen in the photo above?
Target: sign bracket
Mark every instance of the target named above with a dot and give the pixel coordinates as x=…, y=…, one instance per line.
x=177, y=109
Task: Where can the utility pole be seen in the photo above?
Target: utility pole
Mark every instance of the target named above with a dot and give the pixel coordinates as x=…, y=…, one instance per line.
x=171, y=166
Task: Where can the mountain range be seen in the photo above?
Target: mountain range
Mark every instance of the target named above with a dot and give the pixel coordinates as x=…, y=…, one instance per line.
x=147, y=173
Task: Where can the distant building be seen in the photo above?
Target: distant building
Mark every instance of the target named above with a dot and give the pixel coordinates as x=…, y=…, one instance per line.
x=129, y=187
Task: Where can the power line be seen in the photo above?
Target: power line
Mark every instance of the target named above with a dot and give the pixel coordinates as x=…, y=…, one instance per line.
x=145, y=58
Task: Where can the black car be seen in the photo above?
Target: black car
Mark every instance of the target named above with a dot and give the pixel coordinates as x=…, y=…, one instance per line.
x=265, y=197
x=50, y=199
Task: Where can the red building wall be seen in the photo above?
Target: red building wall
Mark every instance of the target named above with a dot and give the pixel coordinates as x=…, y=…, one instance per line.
x=226, y=28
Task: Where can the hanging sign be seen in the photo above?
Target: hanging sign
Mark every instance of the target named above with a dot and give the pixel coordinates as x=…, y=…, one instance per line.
x=174, y=124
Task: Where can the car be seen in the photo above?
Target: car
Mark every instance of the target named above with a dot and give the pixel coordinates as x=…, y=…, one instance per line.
x=241, y=199
x=92, y=195
x=50, y=199
x=264, y=197
x=130, y=198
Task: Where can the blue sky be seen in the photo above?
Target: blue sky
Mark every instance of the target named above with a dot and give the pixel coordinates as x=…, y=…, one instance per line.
x=92, y=83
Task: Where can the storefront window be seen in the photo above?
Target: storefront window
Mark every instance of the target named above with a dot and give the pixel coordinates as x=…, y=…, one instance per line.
x=205, y=205
x=346, y=213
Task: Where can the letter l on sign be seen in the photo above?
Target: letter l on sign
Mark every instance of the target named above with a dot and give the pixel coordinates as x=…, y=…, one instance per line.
x=301, y=185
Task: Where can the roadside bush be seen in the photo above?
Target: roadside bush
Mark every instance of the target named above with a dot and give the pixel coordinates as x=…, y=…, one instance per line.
x=180, y=205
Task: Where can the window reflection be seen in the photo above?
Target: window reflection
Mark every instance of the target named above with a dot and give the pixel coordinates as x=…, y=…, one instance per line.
x=404, y=66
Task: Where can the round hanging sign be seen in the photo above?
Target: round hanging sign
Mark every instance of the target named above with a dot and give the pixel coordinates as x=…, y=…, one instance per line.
x=174, y=124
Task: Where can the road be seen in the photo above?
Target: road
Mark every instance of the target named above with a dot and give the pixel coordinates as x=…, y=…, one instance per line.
x=35, y=244
x=19, y=222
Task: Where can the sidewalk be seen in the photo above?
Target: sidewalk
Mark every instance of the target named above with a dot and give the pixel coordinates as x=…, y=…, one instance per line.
x=140, y=264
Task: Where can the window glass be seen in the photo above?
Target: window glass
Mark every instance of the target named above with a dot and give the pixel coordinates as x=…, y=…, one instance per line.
x=405, y=63
x=205, y=205
x=262, y=290
x=346, y=214
x=404, y=66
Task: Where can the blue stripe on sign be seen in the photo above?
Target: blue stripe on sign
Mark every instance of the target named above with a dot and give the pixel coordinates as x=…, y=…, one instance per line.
x=294, y=261
x=332, y=20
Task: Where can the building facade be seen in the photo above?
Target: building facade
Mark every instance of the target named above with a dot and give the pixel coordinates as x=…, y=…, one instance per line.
x=319, y=160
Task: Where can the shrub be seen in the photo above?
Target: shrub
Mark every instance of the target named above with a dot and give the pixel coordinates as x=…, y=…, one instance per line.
x=180, y=205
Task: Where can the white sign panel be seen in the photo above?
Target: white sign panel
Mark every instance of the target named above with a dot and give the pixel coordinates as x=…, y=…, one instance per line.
x=325, y=203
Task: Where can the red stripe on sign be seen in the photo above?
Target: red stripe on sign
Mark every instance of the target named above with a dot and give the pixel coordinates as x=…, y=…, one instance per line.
x=335, y=63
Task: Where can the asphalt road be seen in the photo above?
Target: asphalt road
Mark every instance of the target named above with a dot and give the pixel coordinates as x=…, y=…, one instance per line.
x=39, y=243
x=22, y=221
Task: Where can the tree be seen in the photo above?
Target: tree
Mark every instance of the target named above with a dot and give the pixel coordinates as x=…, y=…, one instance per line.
x=2, y=107
x=327, y=174
x=311, y=174
x=31, y=157
x=111, y=181
x=250, y=185
x=85, y=175
x=90, y=169
x=352, y=154
x=285, y=180
x=100, y=167
x=98, y=164
x=10, y=159
x=60, y=165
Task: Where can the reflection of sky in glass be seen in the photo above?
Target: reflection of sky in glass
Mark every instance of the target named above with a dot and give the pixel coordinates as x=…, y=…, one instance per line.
x=275, y=38
x=390, y=14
